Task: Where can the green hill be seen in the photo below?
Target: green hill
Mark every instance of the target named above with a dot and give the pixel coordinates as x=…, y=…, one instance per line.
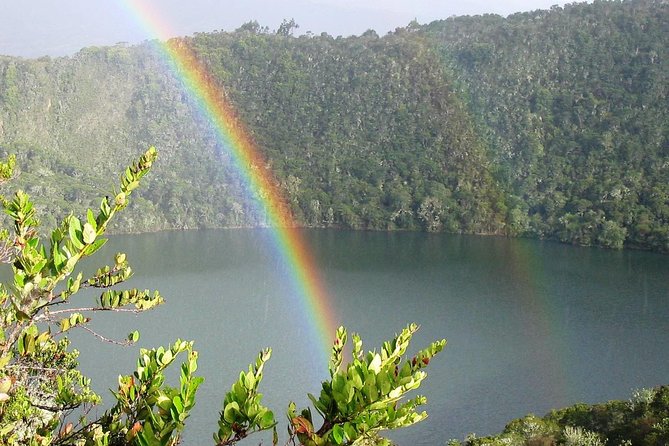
x=572, y=104
x=547, y=124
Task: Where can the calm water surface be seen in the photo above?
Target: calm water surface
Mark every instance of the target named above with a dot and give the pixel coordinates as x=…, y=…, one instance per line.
x=530, y=325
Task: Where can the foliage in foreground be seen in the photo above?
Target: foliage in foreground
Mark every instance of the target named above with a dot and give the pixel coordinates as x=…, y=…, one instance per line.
x=45, y=400
x=641, y=421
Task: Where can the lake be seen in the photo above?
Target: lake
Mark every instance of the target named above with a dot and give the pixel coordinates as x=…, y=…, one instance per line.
x=530, y=325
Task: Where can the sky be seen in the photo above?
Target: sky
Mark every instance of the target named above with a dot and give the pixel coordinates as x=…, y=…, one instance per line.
x=35, y=28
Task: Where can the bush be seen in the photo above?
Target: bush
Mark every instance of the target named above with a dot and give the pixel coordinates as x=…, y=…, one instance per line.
x=42, y=390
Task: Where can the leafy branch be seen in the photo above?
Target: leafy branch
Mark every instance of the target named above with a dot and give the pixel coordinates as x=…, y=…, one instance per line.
x=364, y=398
x=44, y=381
x=357, y=403
x=243, y=413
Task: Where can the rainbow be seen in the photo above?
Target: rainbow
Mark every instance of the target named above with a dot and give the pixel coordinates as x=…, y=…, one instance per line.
x=209, y=97
x=540, y=317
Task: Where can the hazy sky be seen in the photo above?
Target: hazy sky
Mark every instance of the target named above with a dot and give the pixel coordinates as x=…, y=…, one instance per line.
x=32, y=28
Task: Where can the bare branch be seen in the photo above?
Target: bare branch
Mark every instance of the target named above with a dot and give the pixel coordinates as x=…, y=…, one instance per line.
x=104, y=339
x=47, y=316
x=55, y=409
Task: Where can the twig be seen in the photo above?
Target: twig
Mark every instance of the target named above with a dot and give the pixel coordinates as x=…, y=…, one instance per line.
x=104, y=339
x=46, y=316
x=54, y=408
x=32, y=367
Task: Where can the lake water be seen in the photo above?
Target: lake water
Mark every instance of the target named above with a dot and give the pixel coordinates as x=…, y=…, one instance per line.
x=530, y=325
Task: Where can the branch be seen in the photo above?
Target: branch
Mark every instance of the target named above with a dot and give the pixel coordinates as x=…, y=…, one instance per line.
x=75, y=433
x=47, y=316
x=238, y=436
x=104, y=339
x=55, y=409
x=12, y=338
x=58, y=298
x=7, y=252
x=34, y=367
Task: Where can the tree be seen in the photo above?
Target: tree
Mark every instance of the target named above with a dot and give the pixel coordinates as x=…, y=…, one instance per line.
x=41, y=387
x=286, y=28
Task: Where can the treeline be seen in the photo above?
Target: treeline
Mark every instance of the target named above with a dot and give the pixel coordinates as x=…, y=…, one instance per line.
x=549, y=124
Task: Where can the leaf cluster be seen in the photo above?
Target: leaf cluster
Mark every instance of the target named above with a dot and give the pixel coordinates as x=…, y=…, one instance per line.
x=147, y=412
x=243, y=412
x=356, y=404
x=364, y=398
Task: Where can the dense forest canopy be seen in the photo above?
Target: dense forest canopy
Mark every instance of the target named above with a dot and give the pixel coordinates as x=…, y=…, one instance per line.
x=548, y=124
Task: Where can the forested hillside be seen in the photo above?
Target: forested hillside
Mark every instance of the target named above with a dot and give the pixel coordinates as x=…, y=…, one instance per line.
x=573, y=106
x=548, y=124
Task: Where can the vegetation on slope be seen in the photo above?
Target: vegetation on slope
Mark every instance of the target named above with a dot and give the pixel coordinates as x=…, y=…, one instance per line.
x=573, y=105
x=642, y=421
x=548, y=124
x=364, y=132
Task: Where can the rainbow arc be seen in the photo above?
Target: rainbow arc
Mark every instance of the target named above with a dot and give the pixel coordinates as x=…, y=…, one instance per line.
x=210, y=98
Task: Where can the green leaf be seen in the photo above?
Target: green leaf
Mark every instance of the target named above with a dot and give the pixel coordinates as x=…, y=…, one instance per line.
x=90, y=218
x=178, y=404
x=6, y=429
x=350, y=431
x=267, y=420
x=64, y=325
x=134, y=336
x=89, y=234
x=132, y=186
x=71, y=263
x=375, y=365
x=95, y=246
x=74, y=231
x=119, y=258
x=5, y=384
x=4, y=360
x=58, y=259
x=338, y=434
x=230, y=412
x=105, y=209
x=250, y=381
x=166, y=358
x=164, y=402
